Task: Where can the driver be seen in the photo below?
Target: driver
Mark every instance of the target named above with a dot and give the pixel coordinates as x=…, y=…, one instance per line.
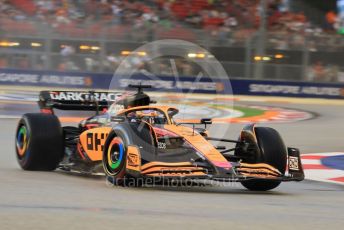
x=149, y=116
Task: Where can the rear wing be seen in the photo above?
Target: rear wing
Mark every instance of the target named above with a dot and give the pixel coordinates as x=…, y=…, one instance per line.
x=75, y=100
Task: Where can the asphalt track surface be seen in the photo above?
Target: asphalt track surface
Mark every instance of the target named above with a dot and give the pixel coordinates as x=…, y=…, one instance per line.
x=55, y=200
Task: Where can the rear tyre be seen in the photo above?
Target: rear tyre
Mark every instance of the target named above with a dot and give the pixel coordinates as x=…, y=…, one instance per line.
x=115, y=151
x=39, y=142
x=273, y=152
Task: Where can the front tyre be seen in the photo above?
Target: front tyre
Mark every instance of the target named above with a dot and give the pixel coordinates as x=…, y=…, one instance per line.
x=39, y=142
x=115, y=152
x=114, y=159
x=273, y=152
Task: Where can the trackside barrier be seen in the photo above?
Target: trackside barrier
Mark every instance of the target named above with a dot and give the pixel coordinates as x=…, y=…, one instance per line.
x=15, y=77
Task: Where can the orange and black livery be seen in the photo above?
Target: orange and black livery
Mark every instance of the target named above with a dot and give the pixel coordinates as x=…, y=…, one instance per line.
x=133, y=139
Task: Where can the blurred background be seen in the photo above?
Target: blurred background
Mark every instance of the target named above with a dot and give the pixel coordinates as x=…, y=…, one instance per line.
x=271, y=50
x=298, y=40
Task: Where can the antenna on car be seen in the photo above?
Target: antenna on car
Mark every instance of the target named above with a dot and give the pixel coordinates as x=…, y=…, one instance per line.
x=140, y=87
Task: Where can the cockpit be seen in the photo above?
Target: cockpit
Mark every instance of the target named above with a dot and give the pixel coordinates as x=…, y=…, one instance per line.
x=150, y=116
x=154, y=116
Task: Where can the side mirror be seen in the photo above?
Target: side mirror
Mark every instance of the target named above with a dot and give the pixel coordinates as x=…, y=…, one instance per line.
x=118, y=119
x=206, y=121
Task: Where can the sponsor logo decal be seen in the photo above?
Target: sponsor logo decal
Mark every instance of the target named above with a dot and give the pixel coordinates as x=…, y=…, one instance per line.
x=84, y=96
x=133, y=160
x=295, y=90
x=165, y=84
x=96, y=141
x=293, y=163
x=161, y=145
x=28, y=78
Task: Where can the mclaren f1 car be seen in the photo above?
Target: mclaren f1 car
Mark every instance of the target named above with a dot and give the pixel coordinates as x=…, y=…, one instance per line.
x=130, y=138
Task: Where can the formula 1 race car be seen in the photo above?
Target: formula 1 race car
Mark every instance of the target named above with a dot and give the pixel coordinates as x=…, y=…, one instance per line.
x=132, y=139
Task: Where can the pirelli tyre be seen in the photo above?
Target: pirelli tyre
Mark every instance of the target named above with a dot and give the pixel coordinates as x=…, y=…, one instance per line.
x=115, y=151
x=273, y=152
x=39, y=142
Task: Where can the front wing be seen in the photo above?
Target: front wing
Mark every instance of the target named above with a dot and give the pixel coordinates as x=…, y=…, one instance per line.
x=184, y=171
